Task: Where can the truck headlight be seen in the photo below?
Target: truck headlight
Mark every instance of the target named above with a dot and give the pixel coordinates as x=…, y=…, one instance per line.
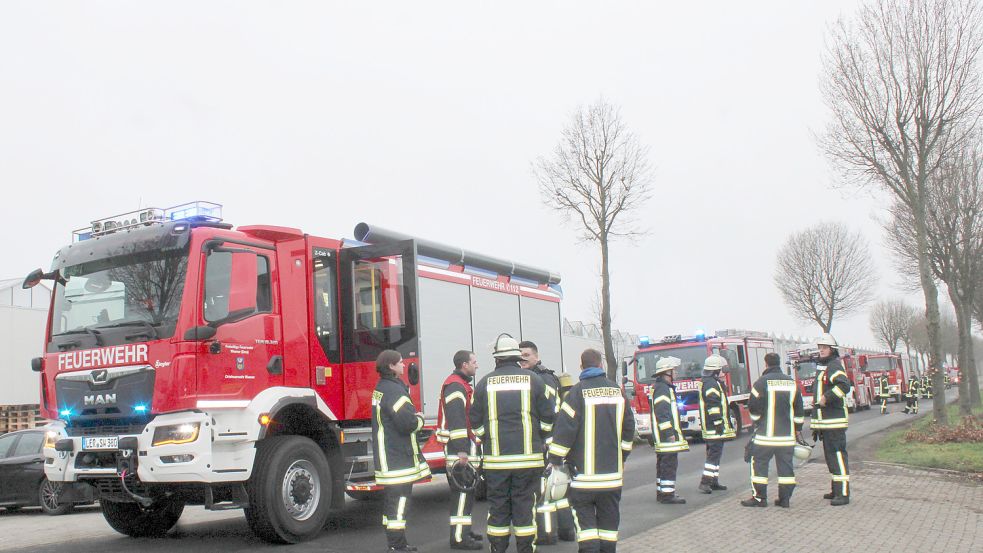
x=50, y=437
x=176, y=434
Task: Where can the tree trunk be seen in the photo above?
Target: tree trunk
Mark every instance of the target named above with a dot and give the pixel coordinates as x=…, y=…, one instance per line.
x=963, y=322
x=932, y=317
x=606, y=312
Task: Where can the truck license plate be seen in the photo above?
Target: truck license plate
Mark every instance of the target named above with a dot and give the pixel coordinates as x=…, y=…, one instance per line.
x=101, y=442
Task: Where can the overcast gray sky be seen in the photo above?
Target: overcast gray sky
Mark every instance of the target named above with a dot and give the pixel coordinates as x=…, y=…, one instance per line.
x=425, y=117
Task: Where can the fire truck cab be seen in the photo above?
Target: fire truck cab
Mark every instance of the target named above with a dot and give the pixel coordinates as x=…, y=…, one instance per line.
x=876, y=364
x=744, y=350
x=190, y=362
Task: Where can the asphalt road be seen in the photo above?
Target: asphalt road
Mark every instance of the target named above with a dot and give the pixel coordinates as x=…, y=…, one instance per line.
x=357, y=528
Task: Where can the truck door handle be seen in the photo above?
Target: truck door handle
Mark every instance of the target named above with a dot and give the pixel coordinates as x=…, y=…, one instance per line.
x=275, y=366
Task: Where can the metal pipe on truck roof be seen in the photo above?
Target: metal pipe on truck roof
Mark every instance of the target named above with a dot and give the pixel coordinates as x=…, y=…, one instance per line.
x=372, y=234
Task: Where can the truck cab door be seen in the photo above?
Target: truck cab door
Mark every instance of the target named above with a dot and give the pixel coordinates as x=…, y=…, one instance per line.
x=379, y=305
x=239, y=299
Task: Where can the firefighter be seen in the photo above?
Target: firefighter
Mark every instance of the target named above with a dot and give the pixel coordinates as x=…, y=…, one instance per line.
x=553, y=518
x=460, y=445
x=594, y=433
x=776, y=409
x=911, y=396
x=830, y=418
x=715, y=421
x=395, y=450
x=667, y=436
x=510, y=415
x=883, y=392
x=926, y=387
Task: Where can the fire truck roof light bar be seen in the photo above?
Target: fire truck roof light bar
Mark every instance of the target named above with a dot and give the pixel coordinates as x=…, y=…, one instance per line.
x=197, y=211
x=372, y=234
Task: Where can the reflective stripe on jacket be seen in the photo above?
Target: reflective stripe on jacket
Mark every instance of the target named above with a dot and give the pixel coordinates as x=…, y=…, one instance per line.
x=395, y=423
x=833, y=384
x=776, y=409
x=715, y=410
x=664, y=412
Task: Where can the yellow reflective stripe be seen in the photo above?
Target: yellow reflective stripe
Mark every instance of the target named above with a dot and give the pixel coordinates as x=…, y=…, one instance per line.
x=608, y=535
x=458, y=434
x=590, y=413
x=527, y=420
x=712, y=391
x=838, y=391
x=479, y=431
x=525, y=530
x=671, y=447
x=558, y=450
x=626, y=446
x=786, y=480
x=587, y=535
x=759, y=480
x=460, y=520
x=837, y=373
x=714, y=410
x=498, y=530
x=546, y=427
x=665, y=425
x=799, y=420
x=755, y=417
x=508, y=465
x=754, y=392
x=400, y=403
x=568, y=410
x=493, y=420
x=454, y=396
x=661, y=398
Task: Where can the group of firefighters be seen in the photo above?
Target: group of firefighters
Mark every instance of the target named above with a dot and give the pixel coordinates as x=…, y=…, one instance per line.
x=532, y=434
x=918, y=388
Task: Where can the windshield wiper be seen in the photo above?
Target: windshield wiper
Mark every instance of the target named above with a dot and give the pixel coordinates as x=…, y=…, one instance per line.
x=138, y=322
x=84, y=330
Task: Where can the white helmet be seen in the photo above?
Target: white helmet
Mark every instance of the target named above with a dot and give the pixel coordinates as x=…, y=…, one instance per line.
x=506, y=346
x=826, y=340
x=801, y=452
x=714, y=363
x=667, y=364
x=557, y=482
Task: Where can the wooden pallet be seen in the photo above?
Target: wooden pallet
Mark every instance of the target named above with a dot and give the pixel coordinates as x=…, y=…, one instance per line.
x=20, y=417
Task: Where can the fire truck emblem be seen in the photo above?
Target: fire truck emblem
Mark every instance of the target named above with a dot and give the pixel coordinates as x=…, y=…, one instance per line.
x=240, y=363
x=99, y=377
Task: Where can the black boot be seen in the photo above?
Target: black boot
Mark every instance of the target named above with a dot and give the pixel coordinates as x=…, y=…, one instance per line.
x=716, y=485
x=475, y=537
x=671, y=499
x=754, y=502
x=467, y=542
x=840, y=500
x=831, y=493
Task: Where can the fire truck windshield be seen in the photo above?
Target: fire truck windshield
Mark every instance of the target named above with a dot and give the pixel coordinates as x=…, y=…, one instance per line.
x=118, y=300
x=879, y=364
x=692, y=358
x=805, y=369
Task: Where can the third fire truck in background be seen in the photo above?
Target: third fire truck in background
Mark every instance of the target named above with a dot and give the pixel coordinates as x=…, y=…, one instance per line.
x=744, y=350
x=891, y=364
x=804, y=364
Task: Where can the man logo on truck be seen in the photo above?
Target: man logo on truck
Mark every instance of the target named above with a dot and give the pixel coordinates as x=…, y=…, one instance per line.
x=98, y=399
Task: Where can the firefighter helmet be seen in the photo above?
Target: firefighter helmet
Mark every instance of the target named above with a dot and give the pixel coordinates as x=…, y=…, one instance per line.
x=667, y=364
x=506, y=346
x=462, y=477
x=802, y=451
x=826, y=340
x=557, y=482
x=714, y=363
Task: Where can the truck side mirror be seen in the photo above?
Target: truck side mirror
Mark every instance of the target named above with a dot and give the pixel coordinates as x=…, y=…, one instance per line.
x=863, y=361
x=624, y=369
x=629, y=389
x=413, y=374
x=33, y=279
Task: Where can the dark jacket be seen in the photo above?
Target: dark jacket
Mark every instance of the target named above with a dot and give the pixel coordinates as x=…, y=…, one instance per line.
x=454, y=419
x=510, y=414
x=552, y=384
x=776, y=408
x=395, y=423
x=666, y=433
x=715, y=410
x=594, y=433
x=833, y=384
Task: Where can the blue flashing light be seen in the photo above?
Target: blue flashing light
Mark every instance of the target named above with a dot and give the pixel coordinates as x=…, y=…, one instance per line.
x=140, y=408
x=196, y=211
x=643, y=340
x=700, y=335
x=66, y=412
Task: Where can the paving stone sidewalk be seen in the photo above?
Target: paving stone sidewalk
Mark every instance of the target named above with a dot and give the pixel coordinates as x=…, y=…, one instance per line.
x=892, y=509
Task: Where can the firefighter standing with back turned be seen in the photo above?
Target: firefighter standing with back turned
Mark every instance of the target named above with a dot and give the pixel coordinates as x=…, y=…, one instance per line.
x=883, y=392
x=911, y=396
x=668, y=436
x=776, y=409
x=460, y=447
x=594, y=433
x=830, y=418
x=395, y=450
x=715, y=421
x=509, y=414
x=553, y=518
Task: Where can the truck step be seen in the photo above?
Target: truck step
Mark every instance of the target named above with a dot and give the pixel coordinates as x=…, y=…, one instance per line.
x=239, y=500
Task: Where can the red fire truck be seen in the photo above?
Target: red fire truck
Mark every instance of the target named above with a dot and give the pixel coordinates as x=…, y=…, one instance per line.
x=891, y=364
x=744, y=350
x=188, y=362
x=804, y=362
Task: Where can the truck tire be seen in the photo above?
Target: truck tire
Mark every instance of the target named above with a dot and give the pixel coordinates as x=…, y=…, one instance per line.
x=289, y=491
x=48, y=498
x=138, y=521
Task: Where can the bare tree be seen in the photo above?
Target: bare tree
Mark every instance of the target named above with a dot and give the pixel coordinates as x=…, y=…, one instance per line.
x=823, y=271
x=597, y=177
x=954, y=231
x=902, y=83
x=890, y=321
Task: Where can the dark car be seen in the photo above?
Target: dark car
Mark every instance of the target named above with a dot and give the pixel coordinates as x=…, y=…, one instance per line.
x=22, y=481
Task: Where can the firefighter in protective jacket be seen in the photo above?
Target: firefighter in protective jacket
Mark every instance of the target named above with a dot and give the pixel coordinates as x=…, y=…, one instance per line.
x=715, y=421
x=830, y=418
x=594, y=434
x=883, y=392
x=667, y=435
x=926, y=387
x=510, y=414
x=553, y=518
x=395, y=450
x=460, y=445
x=911, y=396
x=776, y=409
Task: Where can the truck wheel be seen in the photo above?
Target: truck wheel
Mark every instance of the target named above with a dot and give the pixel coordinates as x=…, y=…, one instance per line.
x=363, y=495
x=735, y=419
x=138, y=521
x=289, y=491
x=48, y=498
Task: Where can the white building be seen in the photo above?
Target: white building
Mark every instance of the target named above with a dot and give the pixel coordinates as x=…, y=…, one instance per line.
x=578, y=336
x=23, y=315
